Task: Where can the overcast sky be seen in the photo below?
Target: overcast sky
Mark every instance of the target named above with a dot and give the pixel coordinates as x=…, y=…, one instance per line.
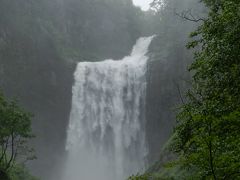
x=144, y=4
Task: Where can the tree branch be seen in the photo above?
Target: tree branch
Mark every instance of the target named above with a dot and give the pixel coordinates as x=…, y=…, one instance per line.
x=12, y=151
x=187, y=15
x=4, y=150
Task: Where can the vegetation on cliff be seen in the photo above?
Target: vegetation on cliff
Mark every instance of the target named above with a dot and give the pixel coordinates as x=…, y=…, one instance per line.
x=206, y=140
x=15, y=133
x=207, y=134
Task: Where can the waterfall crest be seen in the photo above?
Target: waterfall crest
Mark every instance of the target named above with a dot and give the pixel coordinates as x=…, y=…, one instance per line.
x=106, y=135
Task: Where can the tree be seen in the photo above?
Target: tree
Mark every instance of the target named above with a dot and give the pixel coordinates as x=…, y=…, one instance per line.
x=15, y=132
x=208, y=134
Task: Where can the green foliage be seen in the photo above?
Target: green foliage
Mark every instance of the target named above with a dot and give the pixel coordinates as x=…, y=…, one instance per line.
x=208, y=134
x=19, y=172
x=140, y=177
x=155, y=176
x=15, y=132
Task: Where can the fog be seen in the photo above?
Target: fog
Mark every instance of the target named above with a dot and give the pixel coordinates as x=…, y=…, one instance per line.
x=102, y=90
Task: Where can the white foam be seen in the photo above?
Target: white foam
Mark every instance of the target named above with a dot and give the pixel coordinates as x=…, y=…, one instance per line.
x=106, y=136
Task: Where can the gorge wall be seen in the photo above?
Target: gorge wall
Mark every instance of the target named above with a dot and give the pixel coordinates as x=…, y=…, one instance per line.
x=39, y=53
x=38, y=57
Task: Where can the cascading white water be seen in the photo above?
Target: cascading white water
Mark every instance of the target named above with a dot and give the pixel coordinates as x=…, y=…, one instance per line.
x=106, y=135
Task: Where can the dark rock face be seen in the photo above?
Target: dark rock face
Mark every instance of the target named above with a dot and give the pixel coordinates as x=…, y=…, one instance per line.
x=167, y=77
x=36, y=65
x=44, y=89
x=32, y=71
x=160, y=109
x=39, y=46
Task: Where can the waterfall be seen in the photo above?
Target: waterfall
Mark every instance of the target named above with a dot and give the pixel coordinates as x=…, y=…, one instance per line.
x=106, y=133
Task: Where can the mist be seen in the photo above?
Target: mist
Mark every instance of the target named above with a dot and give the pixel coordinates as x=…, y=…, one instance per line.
x=102, y=79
